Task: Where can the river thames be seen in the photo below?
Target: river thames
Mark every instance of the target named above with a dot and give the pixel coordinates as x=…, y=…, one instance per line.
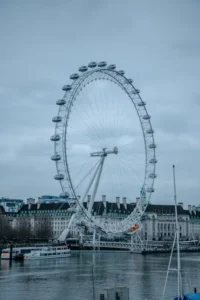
x=71, y=278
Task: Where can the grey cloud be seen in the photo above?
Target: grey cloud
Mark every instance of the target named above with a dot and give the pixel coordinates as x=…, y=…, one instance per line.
x=43, y=43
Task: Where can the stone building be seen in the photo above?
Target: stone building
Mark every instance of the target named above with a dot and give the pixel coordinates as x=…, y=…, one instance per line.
x=158, y=222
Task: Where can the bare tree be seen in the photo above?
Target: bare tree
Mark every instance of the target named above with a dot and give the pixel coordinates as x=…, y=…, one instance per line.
x=23, y=230
x=6, y=231
x=42, y=228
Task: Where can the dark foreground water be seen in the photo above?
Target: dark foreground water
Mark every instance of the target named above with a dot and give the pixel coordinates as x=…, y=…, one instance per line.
x=71, y=278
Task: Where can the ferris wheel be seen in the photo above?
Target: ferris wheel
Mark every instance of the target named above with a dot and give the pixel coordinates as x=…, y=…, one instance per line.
x=103, y=144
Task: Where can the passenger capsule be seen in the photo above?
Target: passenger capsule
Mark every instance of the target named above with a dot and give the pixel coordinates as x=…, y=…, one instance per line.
x=102, y=64
x=135, y=92
x=130, y=80
x=59, y=177
x=66, y=88
x=152, y=146
x=153, y=161
x=150, y=131
x=74, y=76
x=57, y=119
x=150, y=190
x=61, y=102
x=121, y=72
x=152, y=175
x=92, y=64
x=111, y=67
x=56, y=157
x=83, y=69
x=142, y=103
x=64, y=195
x=146, y=117
x=81, y=223
x=55, y=138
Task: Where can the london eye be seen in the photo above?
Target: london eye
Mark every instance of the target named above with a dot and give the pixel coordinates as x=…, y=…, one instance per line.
x=103, y=144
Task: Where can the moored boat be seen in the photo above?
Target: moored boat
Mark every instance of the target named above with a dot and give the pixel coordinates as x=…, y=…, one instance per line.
x=45, y=252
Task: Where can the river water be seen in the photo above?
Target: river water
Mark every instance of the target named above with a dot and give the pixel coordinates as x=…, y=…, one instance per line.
x=71, y=278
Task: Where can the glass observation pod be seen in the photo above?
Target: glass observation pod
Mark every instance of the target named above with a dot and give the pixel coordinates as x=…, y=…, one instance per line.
x=59, y=176
x=121, y=72
x=150, y=131
x=152, y=175
x=61, y=102
x=74, y=76
x=142, y=103
x=56, y=157
x=146, y=117
x=55, y=138
x=150, y=190
x=92, y=64
x=66, y=88
x=111, y=67
x=153, y=161
x=102, y=64
x=130, y=80
x=81, y=224
x=57, y=119
x=135, y=92
x=83, y=69
x=152, y=146
x=64, y=195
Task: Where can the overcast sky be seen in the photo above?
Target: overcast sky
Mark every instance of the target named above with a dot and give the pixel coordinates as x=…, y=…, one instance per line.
x=157, y=43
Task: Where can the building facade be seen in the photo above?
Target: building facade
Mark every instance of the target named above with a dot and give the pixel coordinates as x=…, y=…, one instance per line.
x=49, y=219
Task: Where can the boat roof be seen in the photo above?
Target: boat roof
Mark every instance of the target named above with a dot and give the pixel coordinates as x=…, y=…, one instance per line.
x=192, y=296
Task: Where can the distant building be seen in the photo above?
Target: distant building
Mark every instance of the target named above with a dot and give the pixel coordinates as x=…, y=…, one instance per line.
x=158, y=221
x=11, y=205
x=30, y=201
x=51, y=199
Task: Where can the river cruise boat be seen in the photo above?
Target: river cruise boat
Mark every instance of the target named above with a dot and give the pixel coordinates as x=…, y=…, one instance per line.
x=46, y=252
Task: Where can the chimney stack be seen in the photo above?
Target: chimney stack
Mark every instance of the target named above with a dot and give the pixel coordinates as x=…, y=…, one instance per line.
x=137, y=200
x=88, y=200
x=39, y=202
x=124, y=202
x=118, y=202
x=104, y=200
x=180, y=204
x=194, y=209
x=29, y=202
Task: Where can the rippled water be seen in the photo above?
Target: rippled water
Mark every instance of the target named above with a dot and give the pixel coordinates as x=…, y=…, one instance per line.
x=71, y=278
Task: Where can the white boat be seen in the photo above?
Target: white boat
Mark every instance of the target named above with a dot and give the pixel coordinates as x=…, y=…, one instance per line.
x=44, y=252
